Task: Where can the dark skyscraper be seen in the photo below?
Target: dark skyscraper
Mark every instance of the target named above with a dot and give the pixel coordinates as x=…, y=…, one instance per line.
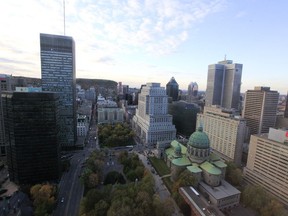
x=32, y=136
x=223, y=84
x=286, y=108
x=172, y=89
x=5, y=85
x=58, y=75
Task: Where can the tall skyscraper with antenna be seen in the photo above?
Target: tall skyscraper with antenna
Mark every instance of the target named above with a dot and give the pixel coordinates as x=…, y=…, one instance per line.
x=58, y=75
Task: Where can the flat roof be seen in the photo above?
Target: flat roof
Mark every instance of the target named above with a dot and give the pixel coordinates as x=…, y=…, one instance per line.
x=222, y=191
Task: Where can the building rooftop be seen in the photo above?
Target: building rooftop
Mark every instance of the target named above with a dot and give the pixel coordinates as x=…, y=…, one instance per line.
x=194, y=169
x=220, y=164
x=222, y=191
x=199, y=139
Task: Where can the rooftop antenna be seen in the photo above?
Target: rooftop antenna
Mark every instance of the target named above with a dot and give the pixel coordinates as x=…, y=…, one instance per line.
x=64, y=15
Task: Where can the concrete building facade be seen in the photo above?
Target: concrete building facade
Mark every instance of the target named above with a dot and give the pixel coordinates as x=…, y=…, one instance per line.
x=267, y=163
x=227, y=132
x=110, y=115
x=286, y=108
x=58, y=75
x=260, y=109
x=223, y=84
x=152, y=122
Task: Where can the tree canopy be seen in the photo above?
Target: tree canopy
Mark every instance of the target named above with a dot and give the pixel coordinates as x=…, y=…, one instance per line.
x=115, y=135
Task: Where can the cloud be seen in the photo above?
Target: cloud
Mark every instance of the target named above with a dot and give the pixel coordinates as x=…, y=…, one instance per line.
x=102, y=29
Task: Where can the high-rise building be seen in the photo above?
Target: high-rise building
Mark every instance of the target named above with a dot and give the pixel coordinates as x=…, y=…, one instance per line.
x=172, y=89
x=267, y=162
x=260, y=108
x=32, y=129
x=226, y=132
x=58, y=75
x=5, y=85
x=152, y=122
x=193, y=89
x=223, y=84
x=286, y=108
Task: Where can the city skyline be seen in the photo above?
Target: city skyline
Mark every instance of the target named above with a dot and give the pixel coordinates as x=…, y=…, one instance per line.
x=151, y=41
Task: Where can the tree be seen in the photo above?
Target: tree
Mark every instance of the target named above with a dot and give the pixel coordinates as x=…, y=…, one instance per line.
x=93, y=180
x=114, y=177
x=101, y=208
x=233, y=174
x=43, y=198
x=184, y=179
x=273, y=208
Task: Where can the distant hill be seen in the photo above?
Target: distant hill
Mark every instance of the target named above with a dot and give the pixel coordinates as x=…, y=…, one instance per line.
x=97, y=83
x=84, y=83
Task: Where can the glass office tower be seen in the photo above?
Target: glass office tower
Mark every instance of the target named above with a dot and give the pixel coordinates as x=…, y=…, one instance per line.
x=58, y=75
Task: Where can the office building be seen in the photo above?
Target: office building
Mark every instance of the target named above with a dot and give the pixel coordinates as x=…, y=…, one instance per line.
x=32, y=136
x=223, y=84
x=267, y=163
x=260, y=108
x=172, y=89
x=58, y=75
x=5, y=85
x=286, y=108
x=193, y=89
x=227, y=132
x=152, y=123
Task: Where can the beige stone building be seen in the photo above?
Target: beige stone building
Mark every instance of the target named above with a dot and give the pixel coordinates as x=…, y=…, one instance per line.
x=226, y=132
x=267, y=163
x=152, y=123
x=110, y=115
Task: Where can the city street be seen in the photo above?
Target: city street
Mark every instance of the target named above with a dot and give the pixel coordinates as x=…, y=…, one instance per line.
x=70, y=187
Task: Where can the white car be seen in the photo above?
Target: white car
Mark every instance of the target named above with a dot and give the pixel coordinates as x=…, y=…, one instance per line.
x=62, y=200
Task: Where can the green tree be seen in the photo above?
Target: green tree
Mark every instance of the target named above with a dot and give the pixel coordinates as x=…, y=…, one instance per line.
x=233, y=174
x=101, y=208
x=184, y=179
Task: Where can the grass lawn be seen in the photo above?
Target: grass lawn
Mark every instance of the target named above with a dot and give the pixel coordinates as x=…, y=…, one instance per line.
x=160, y=166
x=169, y=184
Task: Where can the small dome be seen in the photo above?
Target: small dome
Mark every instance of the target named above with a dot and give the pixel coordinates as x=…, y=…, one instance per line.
x=178, y=148
x=199, y=139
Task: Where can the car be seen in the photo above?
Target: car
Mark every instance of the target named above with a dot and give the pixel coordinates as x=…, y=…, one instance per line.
x=62, y=199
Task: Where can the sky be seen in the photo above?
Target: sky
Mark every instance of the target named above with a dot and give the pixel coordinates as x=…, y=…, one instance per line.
x=140, y=41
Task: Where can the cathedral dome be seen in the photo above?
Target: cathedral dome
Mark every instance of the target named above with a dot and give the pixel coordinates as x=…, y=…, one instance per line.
x=199, y=139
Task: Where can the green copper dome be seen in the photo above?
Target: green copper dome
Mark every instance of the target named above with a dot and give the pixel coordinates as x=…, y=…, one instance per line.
x=199, y=139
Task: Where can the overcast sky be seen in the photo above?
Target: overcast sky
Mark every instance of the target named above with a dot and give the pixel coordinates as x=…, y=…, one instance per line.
x=140, y=41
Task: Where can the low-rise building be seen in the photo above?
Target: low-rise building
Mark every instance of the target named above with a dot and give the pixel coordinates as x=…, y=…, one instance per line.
x=110, y=115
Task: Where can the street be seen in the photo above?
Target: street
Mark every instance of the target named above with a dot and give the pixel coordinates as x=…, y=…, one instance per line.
x=70, y=187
